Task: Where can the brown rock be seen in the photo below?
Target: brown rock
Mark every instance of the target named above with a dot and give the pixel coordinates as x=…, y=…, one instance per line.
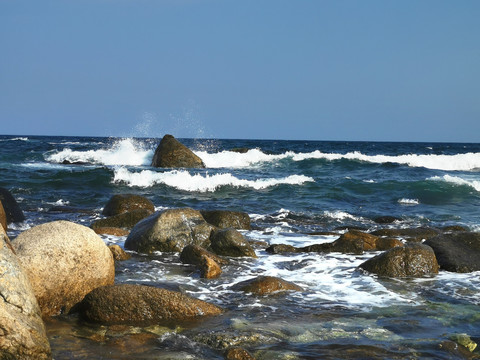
x=207, y=262
x=111, y=231
x=169, y=230
x=64, y=261
x=126, y=220
x=170, y=153
x=345, y=245
x=118, y=253
x=412, y=260
x=227, y=219
x=230, y=242
x=209, y=268
x=238, y=353
x=387, y=243
x=369, y=241
x=3, y=217
x=265, y=285
x=123, y=203
x=22, y=332
x=140, y=304
x=12, y=210
x=281, y=249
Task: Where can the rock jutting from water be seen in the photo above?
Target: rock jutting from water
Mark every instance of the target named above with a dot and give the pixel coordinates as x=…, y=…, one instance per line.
x=230, y=242
x=227, y=219
x=13, y=212
x=207, y=262
x=123, y=203
x=126, y=220
x=266, y=285
x=170, y=153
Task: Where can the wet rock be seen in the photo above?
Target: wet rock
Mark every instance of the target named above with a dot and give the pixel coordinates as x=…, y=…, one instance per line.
x=22, y=332
x=3, y=217
x=410, y=234
x=230, y=242
x=464, y=340
x=12, y=210
x=140, y=304
x=237, y=353
x=240, y=150
x=68, y=162
x=455, y=228
x=207, y=262
x=118, y=253
x=64, y=261
x=345, y=245
x=227, y=219
x=115, y=231
x=170, y=230
x=457, y=351
x=387, y=243
x=266, y=285
x=412, y=260
x=123, y=203
x=224, y=340
x=369, y=241
x=170, y=153
x=126, y=220
x=457, y=252
x=386, y=219
x=281, y=249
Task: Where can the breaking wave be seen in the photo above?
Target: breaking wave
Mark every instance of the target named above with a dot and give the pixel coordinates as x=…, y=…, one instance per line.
x=475, y=184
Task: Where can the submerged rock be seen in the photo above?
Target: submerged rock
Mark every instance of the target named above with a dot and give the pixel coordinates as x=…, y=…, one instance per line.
x=140, y=304
x=125, y=220
x=230, y=242
x=64, y=261
x=386, y=219
x=457, y=252
x=237, y=353
x=266, y=285
x=12, y=210
x=412, y=260
x=170, y=153
x=123, y=203
x=170, y=230
x=22, y=332
x=227, y=219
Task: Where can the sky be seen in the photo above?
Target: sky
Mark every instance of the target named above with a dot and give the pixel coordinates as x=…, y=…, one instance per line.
x=371, y=70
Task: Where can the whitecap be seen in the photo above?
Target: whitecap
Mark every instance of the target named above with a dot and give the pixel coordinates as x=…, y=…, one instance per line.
x=475, y=184
x=183, y=180
x=405, y=201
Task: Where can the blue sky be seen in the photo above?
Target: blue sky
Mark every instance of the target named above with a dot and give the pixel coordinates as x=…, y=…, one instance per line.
x=322, y=70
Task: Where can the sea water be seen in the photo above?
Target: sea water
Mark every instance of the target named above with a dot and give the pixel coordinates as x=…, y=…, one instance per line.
x=291, y=190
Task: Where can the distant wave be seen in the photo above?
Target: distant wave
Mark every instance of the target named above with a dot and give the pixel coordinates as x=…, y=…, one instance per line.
x=405, y=201
x=183, y=180
x=475, y=184
x=124, y=152
x=229, y=159
x=16, y=139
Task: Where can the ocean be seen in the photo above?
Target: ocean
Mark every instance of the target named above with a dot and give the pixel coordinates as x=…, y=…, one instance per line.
x=292, y=190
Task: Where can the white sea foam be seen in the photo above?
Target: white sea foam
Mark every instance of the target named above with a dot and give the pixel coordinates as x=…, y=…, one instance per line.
x=475, y=184
x=405, y=201
x=125, y=152
x=341, y=215
x=183, y=180
x=229, y=159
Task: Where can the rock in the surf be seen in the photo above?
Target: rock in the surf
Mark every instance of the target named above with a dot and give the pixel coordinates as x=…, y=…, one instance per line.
x=123, y=203
x=64, y=261
x=3, y=217
x=227, y=219
x=12, y=210
x=386, y=219
x=118, y=253
x=171, y=153
x=230, y=242
x=266, y=285
x=22, y=332
x=281, y=249
x=169, y=230
x=207, y=262
x=109, y=230
x=457, y=252
x=140, y=304
x=125, y=220
x=412, y=260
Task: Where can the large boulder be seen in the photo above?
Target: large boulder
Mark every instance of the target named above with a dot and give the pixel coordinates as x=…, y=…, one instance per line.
x=207, y=262
x=64, y=262
x=125, y=220
x=169, y=230
x=22, y=333
x=412, y=260
x=230, y=242
x=170, y=153
x=266, y=285
x=140, y=304
x=457, y=252
x=123, y=203
x=227, y=219
x=12, y=210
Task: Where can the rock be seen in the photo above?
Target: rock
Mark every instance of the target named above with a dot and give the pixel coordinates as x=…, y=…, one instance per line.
x=140, y=304
x=412, y=260
x=345, y=245
x=387, y=243
x=64, y=261
x=170, y=153
x=386, y=219
x=237, y=353
x=170, y=230
x=3, y=217
x=230, y=242
x=281, y=249
x=119, y=204
x=266, y=285
x=68, y=162
x=240, y=150
x=369, y=241
x=207, y=262
x=118, y=253
x=457, y=252
x=126, y=220
x=454, y=228
x=111, y=231
x=22, y=332
x=12, y=211
x=227, y=219
x=415, y=235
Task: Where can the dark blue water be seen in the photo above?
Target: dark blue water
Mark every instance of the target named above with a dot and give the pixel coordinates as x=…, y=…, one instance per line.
x=290, y=189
